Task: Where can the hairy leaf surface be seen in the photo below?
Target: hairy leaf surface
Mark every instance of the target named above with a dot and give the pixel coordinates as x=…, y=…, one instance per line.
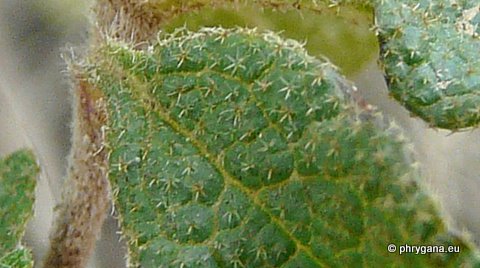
x=233, y=148
x=431, y=54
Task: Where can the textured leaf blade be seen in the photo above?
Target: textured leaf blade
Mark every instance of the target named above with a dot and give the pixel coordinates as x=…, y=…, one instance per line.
x=230, y=148
x=18, y=173
x=430, y=51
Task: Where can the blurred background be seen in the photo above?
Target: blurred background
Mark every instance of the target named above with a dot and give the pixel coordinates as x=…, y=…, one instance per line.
x=35, y=103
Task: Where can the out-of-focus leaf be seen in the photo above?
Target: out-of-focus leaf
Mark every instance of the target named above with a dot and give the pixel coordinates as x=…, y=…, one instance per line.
x=18, y=173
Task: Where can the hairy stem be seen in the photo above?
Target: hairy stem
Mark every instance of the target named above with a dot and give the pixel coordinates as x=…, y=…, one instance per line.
x=86, y=196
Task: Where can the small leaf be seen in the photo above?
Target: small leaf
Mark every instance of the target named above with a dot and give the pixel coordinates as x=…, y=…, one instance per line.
x=18, y=258
x=18, y=174
x=234, y=148
x=430, y=51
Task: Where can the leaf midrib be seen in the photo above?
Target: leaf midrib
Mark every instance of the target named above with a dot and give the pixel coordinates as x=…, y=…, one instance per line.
x=141, y=94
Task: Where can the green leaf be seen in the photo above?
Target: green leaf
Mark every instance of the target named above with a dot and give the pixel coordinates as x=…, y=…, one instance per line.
x=18, y=258
x=18, y=173
x=234, y=148
x=430, y=51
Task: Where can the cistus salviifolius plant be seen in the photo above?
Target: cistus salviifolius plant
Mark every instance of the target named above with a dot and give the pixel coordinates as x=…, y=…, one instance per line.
x=18, y=173
x=233, y=147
